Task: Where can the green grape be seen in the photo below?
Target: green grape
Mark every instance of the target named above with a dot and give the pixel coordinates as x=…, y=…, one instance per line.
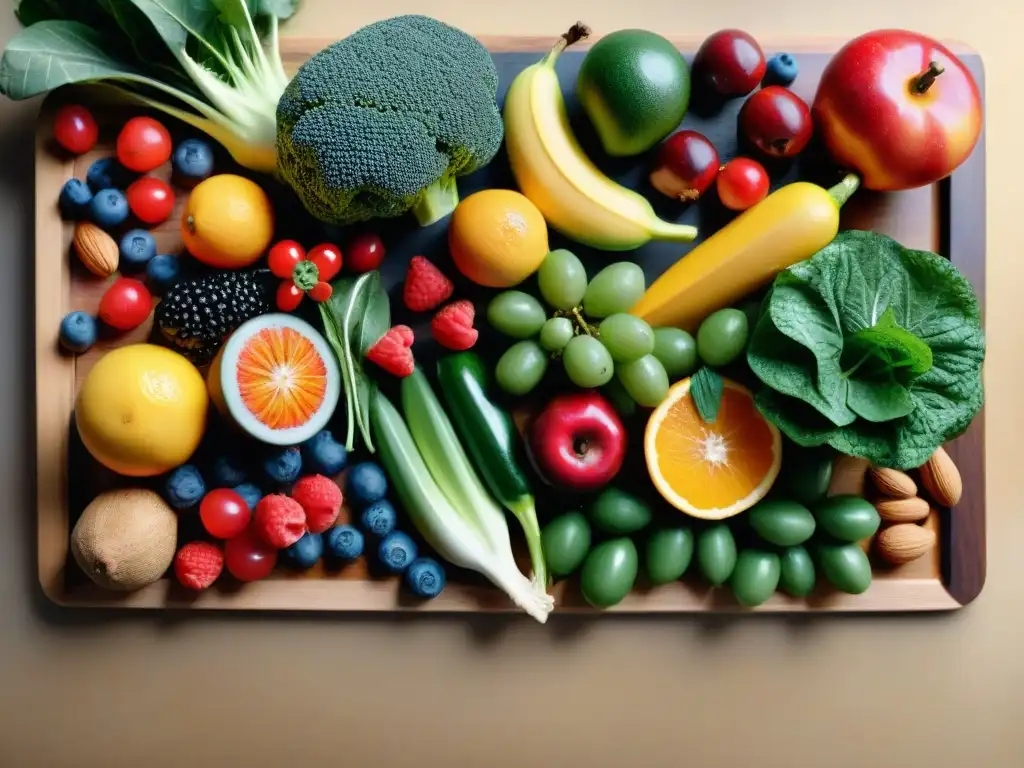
x=562, y=279
x=616, y=288
x=676, y=350
x=521, y=367
x=619, y=397
x=722, y=337
x=556, y=333
x=627, y=338
x=587, y=362
x=645, y=380
x=516, y=314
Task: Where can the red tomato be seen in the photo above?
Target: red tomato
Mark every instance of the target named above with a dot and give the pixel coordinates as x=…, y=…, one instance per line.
x=742, y=183
x=327, y=258
x=224, y=513
x=151, y=200
x=125, y=305
x=289, y=296
x=75, y=129
x=365, y=252
x=143, y=144
x=283, y=257
x=248, y=558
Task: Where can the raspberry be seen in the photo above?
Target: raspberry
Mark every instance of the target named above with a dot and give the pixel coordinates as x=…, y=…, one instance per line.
x=321, y=498
x=279, y=521
x=426, y=287
x=198, y=564
x=393, y=351
x=453, y=327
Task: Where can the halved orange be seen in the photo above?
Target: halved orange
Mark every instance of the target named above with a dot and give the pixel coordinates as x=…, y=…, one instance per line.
x=717, y=470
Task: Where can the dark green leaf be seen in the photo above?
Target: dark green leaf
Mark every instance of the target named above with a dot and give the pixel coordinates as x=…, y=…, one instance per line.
x=706, y=390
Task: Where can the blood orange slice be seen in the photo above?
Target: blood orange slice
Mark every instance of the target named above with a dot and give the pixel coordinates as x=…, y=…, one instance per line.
x=712, y=471
x=277, y=379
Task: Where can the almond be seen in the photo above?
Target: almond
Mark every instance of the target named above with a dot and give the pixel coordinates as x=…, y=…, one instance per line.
x=893, y=483
x=903, y=510
x=96, y=249
x=902, y=543
x=941, y=479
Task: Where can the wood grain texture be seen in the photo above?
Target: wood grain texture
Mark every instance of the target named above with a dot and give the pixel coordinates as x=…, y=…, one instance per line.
x=947, y=217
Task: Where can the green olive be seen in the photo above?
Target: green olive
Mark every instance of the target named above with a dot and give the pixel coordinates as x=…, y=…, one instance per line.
x=797, y=576
x=609, y=572
x=806, y=473
x=618, y=512
x=566, y=541
x=847, y=518
x=668, y=554
x=716, y=553
x=755, y=577
x=781, y=522
x=845, y=566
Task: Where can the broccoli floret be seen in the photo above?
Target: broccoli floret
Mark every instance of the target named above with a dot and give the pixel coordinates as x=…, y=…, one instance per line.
x=383, y=122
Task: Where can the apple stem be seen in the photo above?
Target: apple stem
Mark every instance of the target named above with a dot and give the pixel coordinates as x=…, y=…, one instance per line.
x=924, y=81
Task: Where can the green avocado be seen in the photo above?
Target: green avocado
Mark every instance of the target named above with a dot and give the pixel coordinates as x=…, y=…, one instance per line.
x=635, y=87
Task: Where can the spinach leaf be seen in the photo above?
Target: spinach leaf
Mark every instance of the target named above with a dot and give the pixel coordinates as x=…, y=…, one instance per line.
x=354, y=318
x=870, y=347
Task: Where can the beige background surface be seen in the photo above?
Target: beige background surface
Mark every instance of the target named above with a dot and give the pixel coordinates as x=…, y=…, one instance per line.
x=94, y=690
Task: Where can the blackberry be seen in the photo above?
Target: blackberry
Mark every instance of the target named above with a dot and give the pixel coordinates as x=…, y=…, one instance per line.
x=196, y=316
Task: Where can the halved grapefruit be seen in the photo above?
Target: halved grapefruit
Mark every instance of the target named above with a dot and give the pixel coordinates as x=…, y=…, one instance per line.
x=712, y=471
x=277, y=379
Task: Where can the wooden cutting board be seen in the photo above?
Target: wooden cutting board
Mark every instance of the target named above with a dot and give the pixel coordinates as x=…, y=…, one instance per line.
x=948, y=218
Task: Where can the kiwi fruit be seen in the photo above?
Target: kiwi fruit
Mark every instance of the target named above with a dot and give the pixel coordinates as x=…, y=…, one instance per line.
x=125, y=539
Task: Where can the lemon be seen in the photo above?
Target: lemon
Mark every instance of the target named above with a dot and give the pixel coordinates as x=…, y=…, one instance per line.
x=141, y=410
x=228, y=221
x=497, y=238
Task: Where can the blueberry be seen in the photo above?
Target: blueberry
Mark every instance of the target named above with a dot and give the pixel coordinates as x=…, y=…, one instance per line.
x=226, y=472
x=305, y=552
x=74, y=199
x=137, y=249
x=425, y=577
x=107, y=173
x=192, y=161
x=379, y=518
x=283, y=466
x=782, y=69
x=251, y=493
x=344, y=542
x=162, y=272
x=397, y=551
x=324, y=455
x=365, y=484
x=185, y=487
x=78, y=331
x=109, y=208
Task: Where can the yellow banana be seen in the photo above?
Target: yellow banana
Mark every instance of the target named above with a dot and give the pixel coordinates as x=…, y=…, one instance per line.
x=553, y=171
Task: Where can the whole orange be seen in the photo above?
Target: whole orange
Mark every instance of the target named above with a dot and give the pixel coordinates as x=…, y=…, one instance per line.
x=228, y=221
x=497, y=238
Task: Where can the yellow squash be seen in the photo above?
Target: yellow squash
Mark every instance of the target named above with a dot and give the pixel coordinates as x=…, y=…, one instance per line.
x=790, y=225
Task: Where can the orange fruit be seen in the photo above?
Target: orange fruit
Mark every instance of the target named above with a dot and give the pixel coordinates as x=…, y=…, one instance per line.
x=497, y=238
x=228, y=221
x=712, y=471
x=277, y=379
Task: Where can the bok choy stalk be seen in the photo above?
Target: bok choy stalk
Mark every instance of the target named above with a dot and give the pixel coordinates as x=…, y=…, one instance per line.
x=445, y=499
x=213, y=64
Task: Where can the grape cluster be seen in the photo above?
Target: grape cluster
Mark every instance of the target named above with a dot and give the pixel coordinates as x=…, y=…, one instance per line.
x=588, y=329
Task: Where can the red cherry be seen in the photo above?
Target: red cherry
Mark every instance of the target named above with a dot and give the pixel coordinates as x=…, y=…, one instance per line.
x=776, y=121
x=742, y=183
x=365, y=252
x=320, y=292
x=327, y=258
x=289, y=296
x=283, y=257
x=151, y=200
x=224, y=513
x=687, y=164
x=75, y=129
x=730, y=62
x=143, y=144
x=248, y=557
x=126, y=304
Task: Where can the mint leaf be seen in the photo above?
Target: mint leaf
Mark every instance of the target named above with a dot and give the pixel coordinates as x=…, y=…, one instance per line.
x=706, y=390
x=893, y=347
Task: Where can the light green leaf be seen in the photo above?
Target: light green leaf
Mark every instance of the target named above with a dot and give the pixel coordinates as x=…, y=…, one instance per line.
x=879, y=401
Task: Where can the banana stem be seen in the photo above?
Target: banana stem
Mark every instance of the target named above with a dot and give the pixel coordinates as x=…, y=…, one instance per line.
x=672, y=233
x=578, y=31
x=842, y=191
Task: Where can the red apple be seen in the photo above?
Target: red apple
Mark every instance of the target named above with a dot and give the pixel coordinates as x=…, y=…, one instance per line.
x=578, y=441
x=730, y=62
x=687, y=164
x=899, y=108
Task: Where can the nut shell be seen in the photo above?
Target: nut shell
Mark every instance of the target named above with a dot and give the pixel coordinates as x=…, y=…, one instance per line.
x=96, y=249
x=941, y=479
x=904, y=542
x=893, y=483
x=903, y=510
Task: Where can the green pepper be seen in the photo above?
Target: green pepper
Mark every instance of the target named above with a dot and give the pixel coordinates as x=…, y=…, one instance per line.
x=491, y=439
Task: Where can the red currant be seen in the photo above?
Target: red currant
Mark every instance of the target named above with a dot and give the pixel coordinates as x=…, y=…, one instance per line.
x=365, y=252
x=327, y=258
x=742, y=183
x=283, y=257
x=224, y=513
x=151, y=200
x=249, y=558
x=75, y=129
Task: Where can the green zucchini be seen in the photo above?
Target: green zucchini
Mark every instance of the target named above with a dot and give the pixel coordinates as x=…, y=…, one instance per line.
x=490, y=437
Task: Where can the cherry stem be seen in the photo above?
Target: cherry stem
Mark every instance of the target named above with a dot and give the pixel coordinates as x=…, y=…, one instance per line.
x=924, y=81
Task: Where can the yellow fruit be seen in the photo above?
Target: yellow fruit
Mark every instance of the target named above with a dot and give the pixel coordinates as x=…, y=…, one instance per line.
x=141, y=410
x=497, y=238
x=712, y=471
x=228, y=221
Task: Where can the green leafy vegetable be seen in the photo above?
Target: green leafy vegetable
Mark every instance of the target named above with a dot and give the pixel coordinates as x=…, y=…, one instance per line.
x=355, y=317
x=872, y=348
x=202, y=61
x=706, y=390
